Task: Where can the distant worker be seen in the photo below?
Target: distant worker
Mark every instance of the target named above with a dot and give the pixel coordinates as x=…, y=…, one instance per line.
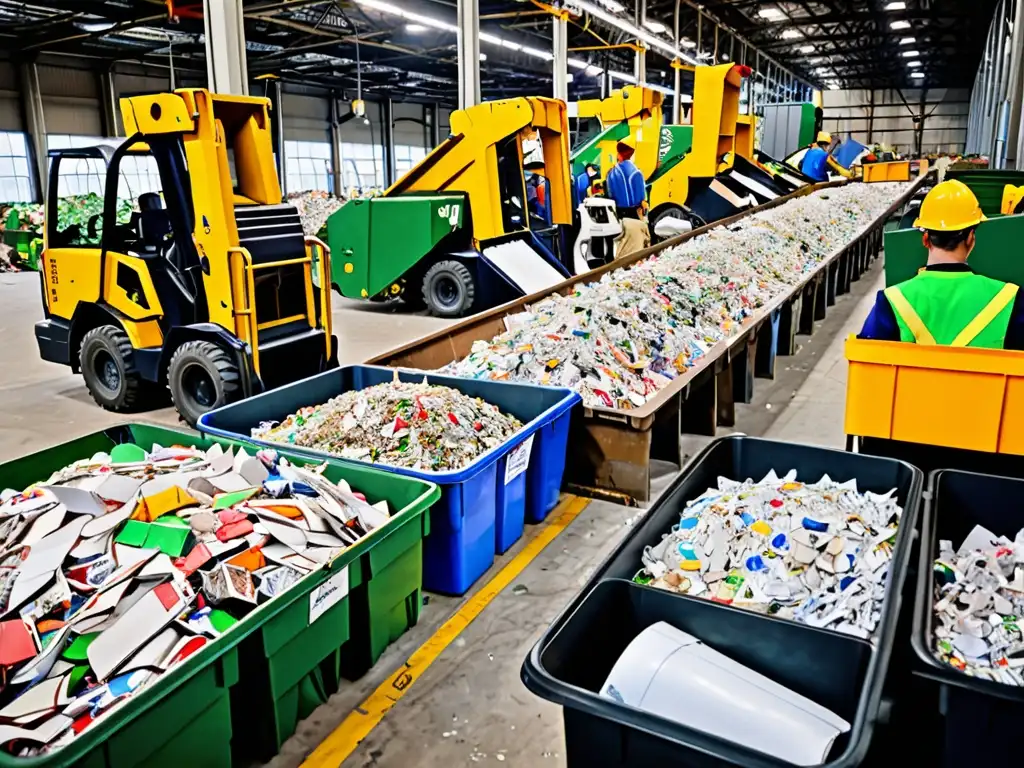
x=946, y=302
x=582, y=183
x=537, y=192
x=626, y=186
x=815, y=163
x=625, y=183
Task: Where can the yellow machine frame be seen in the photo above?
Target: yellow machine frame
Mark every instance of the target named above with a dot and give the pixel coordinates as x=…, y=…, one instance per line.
x=716, y=131
x=628, y=105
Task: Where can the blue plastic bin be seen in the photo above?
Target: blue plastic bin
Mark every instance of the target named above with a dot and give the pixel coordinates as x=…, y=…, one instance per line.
x=478, y=513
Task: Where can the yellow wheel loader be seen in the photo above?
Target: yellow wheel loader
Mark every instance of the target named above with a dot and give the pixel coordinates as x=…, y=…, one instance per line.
x=189, y=273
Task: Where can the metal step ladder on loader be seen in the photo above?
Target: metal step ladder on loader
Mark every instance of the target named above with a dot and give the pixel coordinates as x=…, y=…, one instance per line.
x=202, y=282
x=456, y=232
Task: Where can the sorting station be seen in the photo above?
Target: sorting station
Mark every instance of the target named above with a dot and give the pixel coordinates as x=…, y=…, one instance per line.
x=438, y=383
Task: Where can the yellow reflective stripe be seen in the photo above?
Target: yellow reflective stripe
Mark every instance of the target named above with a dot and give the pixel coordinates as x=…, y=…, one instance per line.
x=986, y=316
x=906, y=312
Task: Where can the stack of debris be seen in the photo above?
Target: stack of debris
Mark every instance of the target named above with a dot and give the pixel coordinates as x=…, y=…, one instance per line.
x=122, y=566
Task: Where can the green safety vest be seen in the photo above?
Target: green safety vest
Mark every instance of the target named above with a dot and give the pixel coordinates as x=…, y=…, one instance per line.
x=958, y=309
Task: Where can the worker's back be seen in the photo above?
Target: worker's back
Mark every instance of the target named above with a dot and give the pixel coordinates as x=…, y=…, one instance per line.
x=815, y=164
x=625, y=185
x=958, y=308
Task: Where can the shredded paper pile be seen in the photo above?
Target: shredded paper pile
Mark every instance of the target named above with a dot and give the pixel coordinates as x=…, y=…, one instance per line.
x=816, y=553
x=979, y=601
x=314, y=209
x=122, y=566
x=621, y=339
x=412, y=425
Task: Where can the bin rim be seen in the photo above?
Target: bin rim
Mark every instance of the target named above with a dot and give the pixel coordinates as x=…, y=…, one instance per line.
x=542, y=683
x=447, y=477
x=920, y=634
x=169, y=682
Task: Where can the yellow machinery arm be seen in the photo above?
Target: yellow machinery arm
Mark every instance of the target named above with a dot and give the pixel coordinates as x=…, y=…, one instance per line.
x=641, y=109
x=468, y=161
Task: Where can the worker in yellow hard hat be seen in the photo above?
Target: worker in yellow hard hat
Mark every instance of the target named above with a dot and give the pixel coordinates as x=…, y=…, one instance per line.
x=946, y=302
x=815, y=162
x=625, y=185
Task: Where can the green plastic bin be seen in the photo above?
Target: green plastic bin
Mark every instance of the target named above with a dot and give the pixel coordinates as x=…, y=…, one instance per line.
x=272, y=669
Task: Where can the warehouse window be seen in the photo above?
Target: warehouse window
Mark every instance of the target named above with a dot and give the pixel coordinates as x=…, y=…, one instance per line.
x=406, y=156
x=307, y=166
x=139, y=173
x=15, y=179
x=362, y=165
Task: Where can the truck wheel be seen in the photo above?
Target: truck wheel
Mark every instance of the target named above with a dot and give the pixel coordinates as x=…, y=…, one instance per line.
x=201, y=377
x=666, y=215
x=108, y=367
x=448, y=289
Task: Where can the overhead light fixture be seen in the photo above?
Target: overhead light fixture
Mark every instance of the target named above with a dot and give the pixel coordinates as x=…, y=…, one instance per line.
x=655, y=26
x=633, y=31
x=833, y=86
x=790, y=34
x=907, y=40
x=94, y=26
x=913, y=64
x=725, y=57
x=416, y=18
x=898, y=6
x=911, y=54
x=568, y=77
x=901, y=24
x=415, y=28
x=806, y=49
x=770, y=13
x=483, y=57
x=917, y=75
x=687, y=43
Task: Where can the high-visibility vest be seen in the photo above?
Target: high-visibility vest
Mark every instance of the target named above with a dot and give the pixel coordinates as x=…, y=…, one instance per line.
x=958, y=309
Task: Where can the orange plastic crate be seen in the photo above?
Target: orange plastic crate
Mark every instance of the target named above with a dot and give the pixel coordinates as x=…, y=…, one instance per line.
x=958, y=397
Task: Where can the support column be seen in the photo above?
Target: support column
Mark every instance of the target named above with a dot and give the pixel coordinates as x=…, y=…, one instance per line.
x=277, y=133
x=560, y=64
x=640, y=58
x=435, y=126
x=387, y=138
x=226, y=70
x=1014, y=135
x=336, y=173
x=469, y=53
x=677, y=79
x=108, y=102
x=35, y=122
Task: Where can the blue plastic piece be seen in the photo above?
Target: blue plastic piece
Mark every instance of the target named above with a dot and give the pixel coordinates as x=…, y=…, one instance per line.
x=478, y=513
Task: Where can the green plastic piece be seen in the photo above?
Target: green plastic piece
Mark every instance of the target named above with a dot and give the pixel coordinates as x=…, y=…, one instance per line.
x=375, y=242
x=228, y=500
x=221, y=620
x=78, y=674
x=127, y=453
x=133, y=534
x=76, y=650
x=210, y=696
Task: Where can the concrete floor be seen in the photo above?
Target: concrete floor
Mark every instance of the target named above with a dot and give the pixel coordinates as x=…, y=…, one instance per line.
x=469, y=706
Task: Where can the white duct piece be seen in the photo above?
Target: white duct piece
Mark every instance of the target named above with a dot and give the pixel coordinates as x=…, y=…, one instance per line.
x=673, y=674
x=526, y=268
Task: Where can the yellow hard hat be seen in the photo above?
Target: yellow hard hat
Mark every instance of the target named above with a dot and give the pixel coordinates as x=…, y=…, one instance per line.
x=824, y=137
x=628, y=141
x=949, y=207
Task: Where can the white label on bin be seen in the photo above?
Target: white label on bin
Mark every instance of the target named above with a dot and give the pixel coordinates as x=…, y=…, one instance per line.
x=328, y=594
x=518, y=460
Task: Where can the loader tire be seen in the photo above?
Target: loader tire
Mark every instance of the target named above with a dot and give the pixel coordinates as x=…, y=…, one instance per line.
x=201, y=376
x=107, y=362
x=449, y=289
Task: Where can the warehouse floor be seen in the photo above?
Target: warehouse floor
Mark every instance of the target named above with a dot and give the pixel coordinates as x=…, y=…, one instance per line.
x=465, y=703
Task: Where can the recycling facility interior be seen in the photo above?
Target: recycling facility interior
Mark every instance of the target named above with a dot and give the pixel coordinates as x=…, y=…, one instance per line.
x=361, y=91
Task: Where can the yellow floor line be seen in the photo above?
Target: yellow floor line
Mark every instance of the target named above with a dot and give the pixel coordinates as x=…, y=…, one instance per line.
x=342, y=742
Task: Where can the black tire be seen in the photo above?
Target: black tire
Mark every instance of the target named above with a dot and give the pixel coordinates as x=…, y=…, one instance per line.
x=108, y=367
x=449, y=289
x=201, y=377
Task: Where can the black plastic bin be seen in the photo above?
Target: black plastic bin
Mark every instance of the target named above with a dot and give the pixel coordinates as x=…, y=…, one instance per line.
x=574, y=658
x=981, y=716
x=630, y=736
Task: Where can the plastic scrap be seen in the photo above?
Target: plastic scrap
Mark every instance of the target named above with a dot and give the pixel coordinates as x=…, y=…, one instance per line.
x=620, y=340
x=815, y=553
x=403, y=424
x=978, y=604
x=314, y=208
x=102, y=592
